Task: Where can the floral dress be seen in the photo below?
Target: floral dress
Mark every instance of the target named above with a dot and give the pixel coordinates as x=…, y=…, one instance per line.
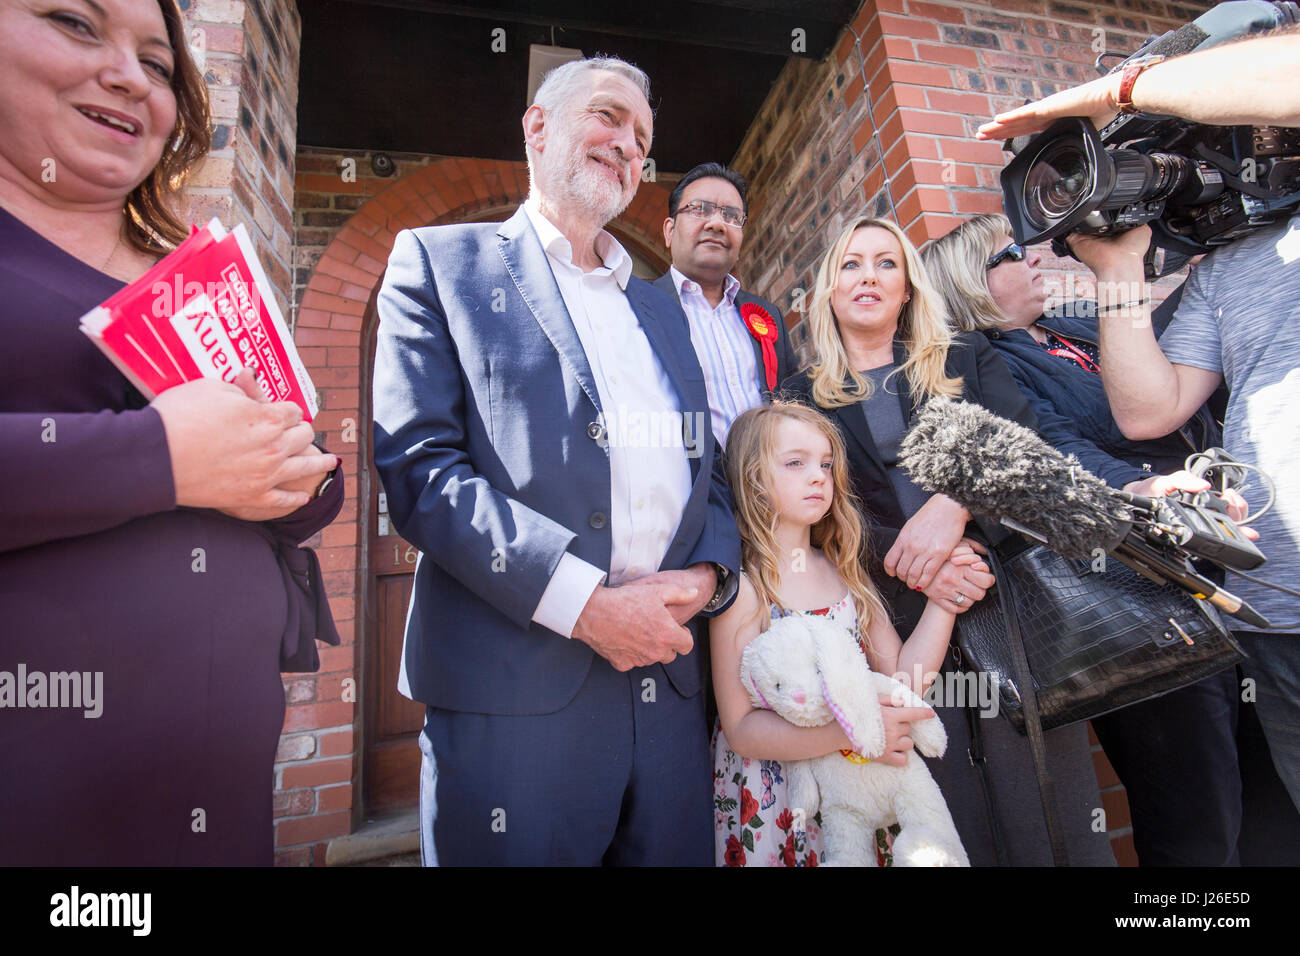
x=753, y=823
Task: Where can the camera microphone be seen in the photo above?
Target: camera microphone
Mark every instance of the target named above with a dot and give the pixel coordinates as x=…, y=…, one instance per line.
x=1220, y=24
x=999, y=469
x=1175, y=43
x=1002, y=470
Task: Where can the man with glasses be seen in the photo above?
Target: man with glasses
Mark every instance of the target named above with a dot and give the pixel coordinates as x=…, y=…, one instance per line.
x=741, y=339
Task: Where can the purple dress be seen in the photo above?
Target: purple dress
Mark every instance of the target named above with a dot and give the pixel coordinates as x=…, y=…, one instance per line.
x=157, y=630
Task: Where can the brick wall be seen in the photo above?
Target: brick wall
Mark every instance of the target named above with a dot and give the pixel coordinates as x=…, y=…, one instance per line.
x=248, y=52
x=885, y=125
x=330, y=186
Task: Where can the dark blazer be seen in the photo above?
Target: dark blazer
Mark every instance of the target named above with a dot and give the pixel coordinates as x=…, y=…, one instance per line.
x=985, y=381
x=787, y=363
x=487, y=444
x=1074, y=413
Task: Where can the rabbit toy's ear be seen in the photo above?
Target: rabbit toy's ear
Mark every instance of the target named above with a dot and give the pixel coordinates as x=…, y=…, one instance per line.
x=847, y=686
x=756, y=695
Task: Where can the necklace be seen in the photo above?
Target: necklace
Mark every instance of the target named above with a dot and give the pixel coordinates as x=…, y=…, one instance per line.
x=111, y=254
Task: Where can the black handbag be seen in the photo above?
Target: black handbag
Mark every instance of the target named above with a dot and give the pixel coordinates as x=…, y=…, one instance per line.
x=1064, y=643
x=1094, y=641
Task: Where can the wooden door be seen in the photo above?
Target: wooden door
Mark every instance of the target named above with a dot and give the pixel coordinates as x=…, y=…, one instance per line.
x=392, y=755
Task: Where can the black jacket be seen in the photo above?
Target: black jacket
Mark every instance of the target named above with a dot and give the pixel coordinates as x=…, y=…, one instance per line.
x=1072, y=407
x=985, y=381
x=787, y=363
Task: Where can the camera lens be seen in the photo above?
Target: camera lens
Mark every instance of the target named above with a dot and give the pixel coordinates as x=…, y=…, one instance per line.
x=1056, y=183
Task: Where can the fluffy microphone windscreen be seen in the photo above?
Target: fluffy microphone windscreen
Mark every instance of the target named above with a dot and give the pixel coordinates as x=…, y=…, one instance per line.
x=1183, y=40
x=999, y=469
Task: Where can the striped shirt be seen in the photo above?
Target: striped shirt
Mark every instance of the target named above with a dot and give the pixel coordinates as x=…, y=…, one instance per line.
x=725, y=350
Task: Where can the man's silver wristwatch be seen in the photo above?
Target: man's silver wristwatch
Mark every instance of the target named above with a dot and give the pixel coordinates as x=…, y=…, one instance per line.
x=725, y=589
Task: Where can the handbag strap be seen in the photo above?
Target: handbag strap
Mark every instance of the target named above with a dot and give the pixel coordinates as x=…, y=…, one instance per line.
x=979, y=761
x=1029, y=705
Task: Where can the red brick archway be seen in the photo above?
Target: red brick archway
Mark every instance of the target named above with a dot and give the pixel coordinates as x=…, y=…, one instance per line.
x=332, y=332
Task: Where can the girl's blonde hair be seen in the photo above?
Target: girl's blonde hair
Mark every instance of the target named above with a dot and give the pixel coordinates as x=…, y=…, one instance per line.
x=922, y=328
x=749, y=460
x=957, y=264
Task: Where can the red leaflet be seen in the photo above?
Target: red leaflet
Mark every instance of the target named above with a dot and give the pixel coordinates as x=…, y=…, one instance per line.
x=204, y=311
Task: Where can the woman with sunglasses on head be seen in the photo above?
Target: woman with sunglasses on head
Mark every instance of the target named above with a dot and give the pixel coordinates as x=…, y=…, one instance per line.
x=1176, y=754
x=151, y=587
x=883, y=348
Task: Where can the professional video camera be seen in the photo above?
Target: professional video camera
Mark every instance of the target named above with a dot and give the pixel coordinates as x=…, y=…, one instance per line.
x=1198, y=186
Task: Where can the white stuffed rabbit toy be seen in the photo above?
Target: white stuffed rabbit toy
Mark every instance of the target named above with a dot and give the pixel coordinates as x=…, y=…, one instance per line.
x=810, y=671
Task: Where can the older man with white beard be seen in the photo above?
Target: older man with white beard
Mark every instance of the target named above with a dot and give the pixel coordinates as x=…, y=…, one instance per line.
x=562, y=561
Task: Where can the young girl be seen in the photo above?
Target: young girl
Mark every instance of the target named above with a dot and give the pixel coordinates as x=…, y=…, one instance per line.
x=802, y=541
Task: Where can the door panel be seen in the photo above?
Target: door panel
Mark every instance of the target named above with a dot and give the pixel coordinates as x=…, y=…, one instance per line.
x=392, y=756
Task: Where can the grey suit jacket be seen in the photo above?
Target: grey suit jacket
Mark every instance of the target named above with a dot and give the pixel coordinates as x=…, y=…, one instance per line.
x=487, y=443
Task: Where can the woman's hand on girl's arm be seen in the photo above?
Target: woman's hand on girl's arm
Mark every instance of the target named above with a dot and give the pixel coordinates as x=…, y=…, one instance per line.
x=965, y=573
x=926, y=541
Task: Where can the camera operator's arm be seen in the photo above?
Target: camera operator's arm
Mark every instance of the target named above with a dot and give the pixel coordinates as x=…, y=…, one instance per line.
x=1149, y=395
x=1249, y=83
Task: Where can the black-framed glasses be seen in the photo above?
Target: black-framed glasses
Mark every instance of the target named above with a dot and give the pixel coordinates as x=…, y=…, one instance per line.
x=1015, y=252
x=703, y=209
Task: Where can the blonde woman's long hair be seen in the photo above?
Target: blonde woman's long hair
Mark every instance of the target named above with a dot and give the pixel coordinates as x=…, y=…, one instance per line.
x=957, y=264
x=922, y=327
x=749, y=460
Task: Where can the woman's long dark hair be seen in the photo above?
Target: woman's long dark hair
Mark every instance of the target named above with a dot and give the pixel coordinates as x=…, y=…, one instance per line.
x=152, y=225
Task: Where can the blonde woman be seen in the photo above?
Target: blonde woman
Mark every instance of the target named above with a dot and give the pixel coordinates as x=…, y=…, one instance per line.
x=882, y=348
x=801, y=538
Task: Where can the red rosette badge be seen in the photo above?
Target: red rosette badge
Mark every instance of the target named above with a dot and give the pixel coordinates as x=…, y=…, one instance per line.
x=762, y=327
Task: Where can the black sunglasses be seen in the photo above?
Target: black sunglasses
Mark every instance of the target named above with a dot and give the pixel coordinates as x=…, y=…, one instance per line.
x=1015, y=252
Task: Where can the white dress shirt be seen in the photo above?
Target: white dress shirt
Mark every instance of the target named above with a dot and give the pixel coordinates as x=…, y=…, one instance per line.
x=725, y=349
x=650, y=475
